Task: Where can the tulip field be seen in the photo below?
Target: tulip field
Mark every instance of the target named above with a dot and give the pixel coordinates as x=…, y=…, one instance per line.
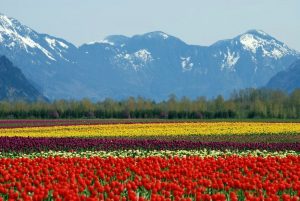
x=151, y=160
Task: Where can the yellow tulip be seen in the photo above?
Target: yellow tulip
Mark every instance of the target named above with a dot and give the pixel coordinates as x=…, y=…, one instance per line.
x=155, y=129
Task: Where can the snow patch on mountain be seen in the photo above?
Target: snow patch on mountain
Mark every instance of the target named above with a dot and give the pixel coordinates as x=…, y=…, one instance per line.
x=15, y=38
x=105, y=41
x=157, y=34
x=63, y=45
x=28, y=42
x=135, y=60
x=51, y=42
x=230, y=59
x=250, y=43
x=269, y=47
x=186, y=64
x=276, y=53
x=5, y=20
x=261, y=32
x=55, y=45
x=165, y=36
x=143, y=55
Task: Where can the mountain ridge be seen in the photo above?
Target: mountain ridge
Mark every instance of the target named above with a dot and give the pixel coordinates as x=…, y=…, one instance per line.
x=152, y=65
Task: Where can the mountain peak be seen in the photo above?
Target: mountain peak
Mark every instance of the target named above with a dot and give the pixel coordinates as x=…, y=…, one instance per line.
x=157, y=34
x=8, y=23
x=255, y=35
x=257, y=40
x=256, y=32
x=248, y=38
x=3, y=18
x=15, y=33
x=115, y=39
x=121, y=40
x=18, y=37
x=5, y=23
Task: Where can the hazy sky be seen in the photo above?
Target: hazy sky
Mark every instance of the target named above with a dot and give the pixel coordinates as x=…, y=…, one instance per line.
x=194, y=21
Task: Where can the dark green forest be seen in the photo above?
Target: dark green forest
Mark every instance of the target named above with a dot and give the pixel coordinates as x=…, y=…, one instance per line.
x=247, y=103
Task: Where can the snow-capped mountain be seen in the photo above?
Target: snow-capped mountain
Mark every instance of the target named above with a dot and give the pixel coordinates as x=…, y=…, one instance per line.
x=250, y=59
x=151, y=65
x=17, y=38
x=42, y=58
x=157, y=64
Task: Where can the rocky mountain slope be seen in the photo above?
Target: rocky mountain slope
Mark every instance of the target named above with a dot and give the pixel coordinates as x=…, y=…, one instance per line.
x=14, y=85
x=287, y=80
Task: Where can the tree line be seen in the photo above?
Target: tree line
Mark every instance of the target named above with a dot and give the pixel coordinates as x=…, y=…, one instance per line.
x=247, y=103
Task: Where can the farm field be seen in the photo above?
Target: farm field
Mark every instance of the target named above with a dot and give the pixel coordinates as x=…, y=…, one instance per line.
x=149, y=160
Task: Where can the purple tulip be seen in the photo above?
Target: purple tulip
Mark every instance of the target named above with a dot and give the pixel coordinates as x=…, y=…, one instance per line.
x=21, y=144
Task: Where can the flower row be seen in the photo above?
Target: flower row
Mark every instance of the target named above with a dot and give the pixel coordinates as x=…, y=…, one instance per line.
x=21, y=123
x=151, y=178
x=150, y=153
x=19, y=144
x=156, y=129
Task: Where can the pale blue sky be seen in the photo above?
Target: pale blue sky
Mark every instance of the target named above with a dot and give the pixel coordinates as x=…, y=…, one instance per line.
x=194, y=21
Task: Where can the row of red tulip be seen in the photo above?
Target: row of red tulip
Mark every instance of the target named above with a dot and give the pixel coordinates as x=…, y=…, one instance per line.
x=152, y=178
